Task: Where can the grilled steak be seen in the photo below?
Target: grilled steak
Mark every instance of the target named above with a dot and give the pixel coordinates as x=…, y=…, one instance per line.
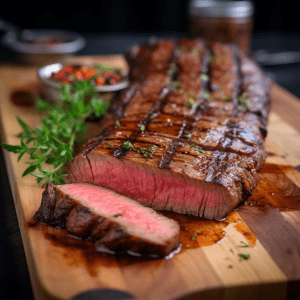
x=188, y=135
x=114, y=222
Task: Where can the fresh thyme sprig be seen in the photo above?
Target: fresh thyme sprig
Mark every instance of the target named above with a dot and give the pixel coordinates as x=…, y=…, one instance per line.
x=52, y=143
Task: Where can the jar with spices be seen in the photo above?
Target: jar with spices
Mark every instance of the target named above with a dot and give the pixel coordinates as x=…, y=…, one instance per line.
x=224, y=21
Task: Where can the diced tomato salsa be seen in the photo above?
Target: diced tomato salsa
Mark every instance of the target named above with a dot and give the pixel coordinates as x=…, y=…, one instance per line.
x=99, y=74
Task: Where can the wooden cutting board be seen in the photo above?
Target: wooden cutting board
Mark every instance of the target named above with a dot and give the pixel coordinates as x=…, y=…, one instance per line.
x=213, y=261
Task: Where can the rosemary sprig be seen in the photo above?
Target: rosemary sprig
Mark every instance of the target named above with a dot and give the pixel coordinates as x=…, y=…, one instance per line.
x=50, y=146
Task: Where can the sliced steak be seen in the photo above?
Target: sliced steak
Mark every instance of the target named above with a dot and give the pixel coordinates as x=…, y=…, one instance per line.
x=113, y=222
x=188, y=138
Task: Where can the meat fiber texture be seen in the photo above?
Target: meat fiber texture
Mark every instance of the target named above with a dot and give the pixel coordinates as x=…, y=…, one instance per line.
x=115, y=223
x=188, y=134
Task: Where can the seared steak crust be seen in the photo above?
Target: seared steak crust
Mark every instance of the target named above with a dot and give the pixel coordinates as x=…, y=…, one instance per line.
x=110, y=233
x=204, y=108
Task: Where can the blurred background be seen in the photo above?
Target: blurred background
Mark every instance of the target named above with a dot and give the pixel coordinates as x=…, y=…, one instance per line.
x=109, y=28
x=133, y=16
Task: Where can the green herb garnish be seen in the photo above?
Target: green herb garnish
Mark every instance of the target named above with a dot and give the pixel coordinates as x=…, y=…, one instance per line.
x=143, y=127
x=143, y=151
x=149, y=149
x=242, y=108
x=117, y=215
x=245, y=244
x=198, y=148
x=211, y=59
x=186, y=136
x=147, y=155
x=205, y=95
x=193, y=238
x=195, y=50
x=52, y=143
x=204, y=77
x=110, y=144
x=173, y=85
x=172, y=69
x=244, y=256
x=192, y=103
x=244, y=103
x=127, y=145
x=118, y=124
x=216, y=59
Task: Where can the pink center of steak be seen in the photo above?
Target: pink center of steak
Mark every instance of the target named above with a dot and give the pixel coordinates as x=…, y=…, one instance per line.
x=106, y=202
x=159, y=189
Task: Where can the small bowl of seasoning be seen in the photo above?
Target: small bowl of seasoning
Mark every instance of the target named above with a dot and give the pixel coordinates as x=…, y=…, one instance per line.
x=40, y=47
x=104, y=77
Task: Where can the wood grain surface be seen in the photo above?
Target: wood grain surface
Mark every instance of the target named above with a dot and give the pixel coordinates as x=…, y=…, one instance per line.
x=212, y=263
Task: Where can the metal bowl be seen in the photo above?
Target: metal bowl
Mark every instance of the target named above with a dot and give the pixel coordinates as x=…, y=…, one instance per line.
x=43, y=53
x=52, y=89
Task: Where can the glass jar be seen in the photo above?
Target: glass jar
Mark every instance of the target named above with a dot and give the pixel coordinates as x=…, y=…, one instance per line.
x=224, y=21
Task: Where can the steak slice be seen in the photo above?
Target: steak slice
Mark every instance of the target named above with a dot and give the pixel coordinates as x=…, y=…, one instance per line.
x=113, y=222
x=190, y=138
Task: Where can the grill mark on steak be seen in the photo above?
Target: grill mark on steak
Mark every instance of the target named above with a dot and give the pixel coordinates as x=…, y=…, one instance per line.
x=122, y=151
x=93, y=143
x=167, y=158
x=211, y=171
x=230, y=131
x=154, y=110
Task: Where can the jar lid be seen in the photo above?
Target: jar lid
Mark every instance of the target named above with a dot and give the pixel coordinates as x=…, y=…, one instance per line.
x=211, y=8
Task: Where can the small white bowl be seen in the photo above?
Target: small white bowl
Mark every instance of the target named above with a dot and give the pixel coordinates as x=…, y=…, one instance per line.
x=41, y=54
x=52, y=89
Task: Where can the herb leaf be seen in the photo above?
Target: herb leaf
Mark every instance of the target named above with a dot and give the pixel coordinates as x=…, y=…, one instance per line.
x=52, y=143
x=142, y=127
x=245, y=244
x=186, y=136
x=127, y=145
x=117, y=215
x=244, y=256
x=198, y=148
x=243, y=102
x=173, y=85
x=192, y=103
